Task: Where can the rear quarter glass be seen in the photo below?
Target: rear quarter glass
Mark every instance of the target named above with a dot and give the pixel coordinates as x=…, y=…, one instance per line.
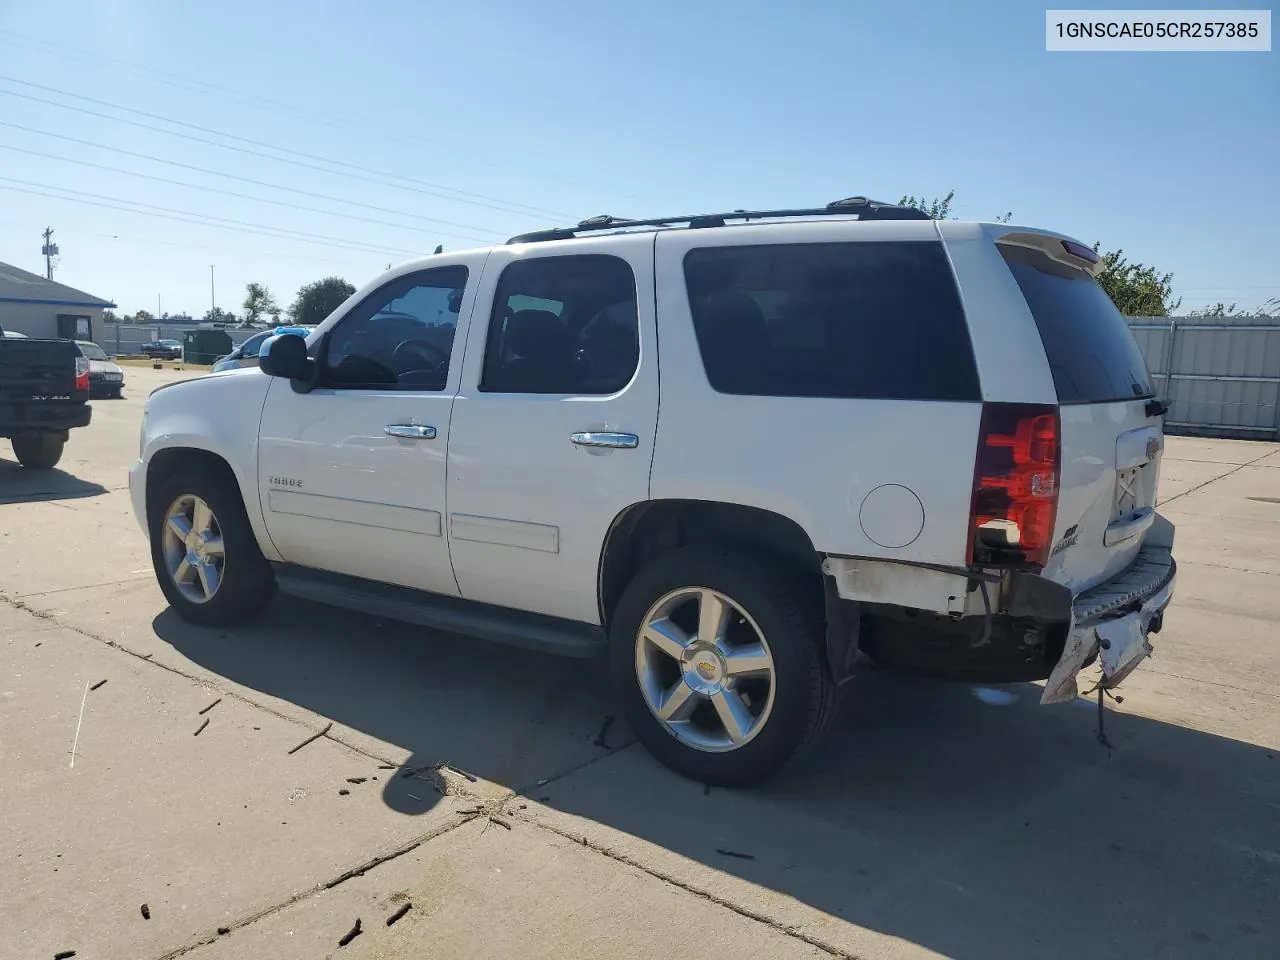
x=1092, y=354
x=855, y=320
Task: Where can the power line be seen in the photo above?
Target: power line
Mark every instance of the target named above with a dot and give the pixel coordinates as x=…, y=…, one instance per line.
x=1189, y=289
x=232, y=176
x=243, y=196
x=269, y=105
x=202, y=219
x=173, y=79
x=255, y=254
x=416, y=186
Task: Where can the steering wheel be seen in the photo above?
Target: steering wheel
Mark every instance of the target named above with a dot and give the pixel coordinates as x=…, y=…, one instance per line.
x=418, y=351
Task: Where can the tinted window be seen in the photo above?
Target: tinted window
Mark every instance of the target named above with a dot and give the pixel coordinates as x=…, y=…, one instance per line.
x=1091, y=353
x=563, y=325
x=400, y=336
x=871, y=320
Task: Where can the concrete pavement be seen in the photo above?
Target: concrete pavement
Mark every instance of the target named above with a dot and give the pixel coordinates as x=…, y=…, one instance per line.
x=933, y=824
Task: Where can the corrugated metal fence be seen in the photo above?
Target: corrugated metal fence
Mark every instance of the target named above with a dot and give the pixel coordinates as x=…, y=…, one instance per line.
x=1221, y=378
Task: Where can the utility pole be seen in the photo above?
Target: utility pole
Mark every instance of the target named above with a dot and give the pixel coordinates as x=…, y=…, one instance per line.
x=213, y=300
x=50, y=250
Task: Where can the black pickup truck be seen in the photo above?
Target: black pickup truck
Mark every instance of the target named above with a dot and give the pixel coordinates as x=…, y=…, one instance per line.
x=44, y=393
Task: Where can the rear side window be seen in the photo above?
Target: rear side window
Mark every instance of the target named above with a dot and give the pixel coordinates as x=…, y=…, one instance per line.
x=868, y=320
x=563, y=325
x=1091, y=353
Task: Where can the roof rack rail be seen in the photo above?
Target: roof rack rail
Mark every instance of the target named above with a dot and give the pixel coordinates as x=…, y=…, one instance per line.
x=859, y=207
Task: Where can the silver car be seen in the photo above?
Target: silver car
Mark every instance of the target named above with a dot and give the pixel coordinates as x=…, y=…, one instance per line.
x=106, y=378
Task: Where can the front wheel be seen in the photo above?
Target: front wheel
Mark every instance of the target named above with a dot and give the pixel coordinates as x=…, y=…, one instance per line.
x=716, y=657
x=204, y=551
x=38, y=451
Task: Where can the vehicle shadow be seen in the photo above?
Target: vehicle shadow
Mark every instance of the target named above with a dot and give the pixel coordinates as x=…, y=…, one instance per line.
x=19, y=485
x=972, y=830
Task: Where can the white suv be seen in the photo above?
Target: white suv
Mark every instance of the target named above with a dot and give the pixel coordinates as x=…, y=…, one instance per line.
x=732, y=450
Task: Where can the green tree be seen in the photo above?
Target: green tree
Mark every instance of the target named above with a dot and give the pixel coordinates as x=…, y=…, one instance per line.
x=218, y=315
x=1221, y=311
x=258, y=303
x=939, y=208
x=109, y=316
x=142, y=317
x=317, y=300
x=1136, y=289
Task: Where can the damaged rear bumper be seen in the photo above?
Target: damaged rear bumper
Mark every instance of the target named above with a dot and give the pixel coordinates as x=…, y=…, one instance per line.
x=1112, y=622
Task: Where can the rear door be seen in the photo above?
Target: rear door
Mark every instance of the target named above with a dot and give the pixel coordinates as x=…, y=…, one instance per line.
x=553, y=427
x=1112, y=433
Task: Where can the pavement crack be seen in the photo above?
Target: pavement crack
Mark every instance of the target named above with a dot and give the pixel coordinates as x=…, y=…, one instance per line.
x=527, y=789
x=19, y=603
x=1201, y=486
x=1153, y=669
x=699, y=892
x=408, y=847
x=87, y=586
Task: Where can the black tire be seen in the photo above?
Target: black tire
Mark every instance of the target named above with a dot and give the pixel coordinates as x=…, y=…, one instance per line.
x=247, y=583
x=38, y=451
x=805, y=696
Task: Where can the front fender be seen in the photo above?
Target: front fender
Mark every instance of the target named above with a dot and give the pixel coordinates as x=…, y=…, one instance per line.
x=218, y=415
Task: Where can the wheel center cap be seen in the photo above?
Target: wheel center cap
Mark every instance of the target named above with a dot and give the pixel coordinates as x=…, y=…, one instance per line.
x=704, y=670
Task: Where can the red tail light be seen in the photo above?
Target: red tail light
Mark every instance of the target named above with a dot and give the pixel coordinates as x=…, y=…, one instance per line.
x=82, y=375
x=1081, y=251
x=1015, y=486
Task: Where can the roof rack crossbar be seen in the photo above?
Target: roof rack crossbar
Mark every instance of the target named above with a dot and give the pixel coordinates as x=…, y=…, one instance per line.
x=859, y=207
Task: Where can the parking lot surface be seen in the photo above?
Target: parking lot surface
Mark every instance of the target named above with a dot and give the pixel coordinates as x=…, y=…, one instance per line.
x=147, y=761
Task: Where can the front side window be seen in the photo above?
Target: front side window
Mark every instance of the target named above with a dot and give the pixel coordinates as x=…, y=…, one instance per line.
x=563, y=325
x=871, y=319
x=399, y=337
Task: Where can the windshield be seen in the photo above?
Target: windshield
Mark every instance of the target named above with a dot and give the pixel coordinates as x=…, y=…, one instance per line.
x=92, y=351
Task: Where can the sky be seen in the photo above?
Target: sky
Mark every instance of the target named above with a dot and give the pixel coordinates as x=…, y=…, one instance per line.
x=280, y=142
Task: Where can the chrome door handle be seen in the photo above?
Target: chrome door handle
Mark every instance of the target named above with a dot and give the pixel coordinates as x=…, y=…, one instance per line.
x=616, y=441
x=410, y=431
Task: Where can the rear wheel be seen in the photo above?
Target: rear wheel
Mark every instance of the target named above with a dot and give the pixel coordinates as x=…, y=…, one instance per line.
x=716, y=658
x=38, y=451
x=204, y=551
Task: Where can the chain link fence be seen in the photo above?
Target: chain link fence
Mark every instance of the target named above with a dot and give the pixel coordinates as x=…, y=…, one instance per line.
x=125, y=339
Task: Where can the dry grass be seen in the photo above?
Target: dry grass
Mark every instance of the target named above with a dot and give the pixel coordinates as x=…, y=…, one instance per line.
x=160, y=364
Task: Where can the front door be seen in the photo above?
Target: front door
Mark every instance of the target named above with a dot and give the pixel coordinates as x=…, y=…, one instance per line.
x=553, y=426
x=352, y=473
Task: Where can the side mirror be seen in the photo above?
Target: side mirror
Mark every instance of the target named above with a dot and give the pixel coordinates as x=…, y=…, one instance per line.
x=285, y=356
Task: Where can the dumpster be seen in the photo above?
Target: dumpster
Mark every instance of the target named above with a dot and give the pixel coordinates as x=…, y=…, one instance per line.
x=205, y=346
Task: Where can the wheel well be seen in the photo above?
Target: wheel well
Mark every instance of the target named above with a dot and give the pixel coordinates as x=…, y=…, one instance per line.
x=165, y=463
x=647, y=530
